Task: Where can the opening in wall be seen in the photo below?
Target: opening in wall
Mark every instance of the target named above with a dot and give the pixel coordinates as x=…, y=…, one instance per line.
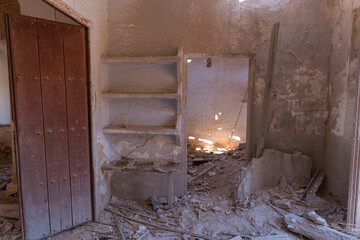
x=217, y=118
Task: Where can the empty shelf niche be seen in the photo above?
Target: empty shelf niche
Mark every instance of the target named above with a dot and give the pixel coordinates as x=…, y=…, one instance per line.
x=142, y=112
x=143, y=130
x=141, y=77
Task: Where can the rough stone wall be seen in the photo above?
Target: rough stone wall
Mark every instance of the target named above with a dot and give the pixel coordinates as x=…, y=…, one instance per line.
x=299, y=105
x=7, y=6
x=343, y=84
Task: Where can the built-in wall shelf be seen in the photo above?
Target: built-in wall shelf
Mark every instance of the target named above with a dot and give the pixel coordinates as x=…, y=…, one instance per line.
x=118, y=95
x=120, y=59
x=131, y=129
x=143, y=98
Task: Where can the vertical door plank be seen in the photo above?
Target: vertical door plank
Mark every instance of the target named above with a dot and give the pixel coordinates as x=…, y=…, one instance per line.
x=51, y=54
x=78, y=124
x=29, y=124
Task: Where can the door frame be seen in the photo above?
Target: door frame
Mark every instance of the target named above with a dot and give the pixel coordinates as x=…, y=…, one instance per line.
x=15, y=147
x=353, y=214
x=250, y=145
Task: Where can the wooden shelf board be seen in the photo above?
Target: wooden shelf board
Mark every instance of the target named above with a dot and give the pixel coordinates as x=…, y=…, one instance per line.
x=131, y=129
x=141, y=95
x=120, y=59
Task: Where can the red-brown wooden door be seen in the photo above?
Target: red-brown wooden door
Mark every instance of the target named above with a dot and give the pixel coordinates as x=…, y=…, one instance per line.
x=47, y=62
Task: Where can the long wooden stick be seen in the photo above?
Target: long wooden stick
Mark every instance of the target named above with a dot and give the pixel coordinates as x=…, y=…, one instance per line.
x=237, y=119
x=103, y=234
x=268, y=79
x=140, y=214
x=159, y=226
x=202, y=173
x=307, y=187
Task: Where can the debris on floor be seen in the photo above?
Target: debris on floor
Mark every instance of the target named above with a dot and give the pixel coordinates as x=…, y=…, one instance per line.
x=9, y=208
x=10, y=229
x=8, y=190
x=210, y=210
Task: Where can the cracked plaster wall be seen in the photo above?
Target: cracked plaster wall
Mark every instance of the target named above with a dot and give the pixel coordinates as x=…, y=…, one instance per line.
x=344, y=76
x=299, y=103
x=299, y=106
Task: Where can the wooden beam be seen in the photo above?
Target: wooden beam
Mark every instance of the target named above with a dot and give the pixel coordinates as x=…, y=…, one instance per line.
x=158, y=226
x=310, y=230
x=268, y=80
x=250, y=111
x=170, y=190
x=353, y=213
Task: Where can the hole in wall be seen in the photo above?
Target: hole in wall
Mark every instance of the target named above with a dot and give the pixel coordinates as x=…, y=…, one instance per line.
x=217, y=118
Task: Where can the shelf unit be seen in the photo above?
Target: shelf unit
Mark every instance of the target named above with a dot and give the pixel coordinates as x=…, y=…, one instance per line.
x=156, y=87
x=113, y=59
x=162, y=130
x=111, y=94
x=118, y=95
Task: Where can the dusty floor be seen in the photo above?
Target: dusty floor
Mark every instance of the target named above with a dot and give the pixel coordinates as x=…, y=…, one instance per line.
x=208, y=211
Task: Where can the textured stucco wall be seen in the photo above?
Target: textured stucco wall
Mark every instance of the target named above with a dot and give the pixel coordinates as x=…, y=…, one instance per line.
x=343, y=84
x=299, y=94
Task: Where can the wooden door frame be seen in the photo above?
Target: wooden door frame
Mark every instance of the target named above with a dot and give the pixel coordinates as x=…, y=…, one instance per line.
x=13, y=115
x=353, y=214
x=251, y=86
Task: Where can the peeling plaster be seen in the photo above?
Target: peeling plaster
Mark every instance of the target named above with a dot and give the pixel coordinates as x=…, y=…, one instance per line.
x=339, y=114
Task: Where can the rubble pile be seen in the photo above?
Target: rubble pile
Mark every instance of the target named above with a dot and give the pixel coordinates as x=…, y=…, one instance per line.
x=211, y=210
x=10, y=229
x=9, y=209
x=5, y=153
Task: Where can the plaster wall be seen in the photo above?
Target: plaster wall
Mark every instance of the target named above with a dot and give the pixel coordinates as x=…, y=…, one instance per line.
x=299, y=106
x=344, y=76
x=40, y=9
x=215, y=96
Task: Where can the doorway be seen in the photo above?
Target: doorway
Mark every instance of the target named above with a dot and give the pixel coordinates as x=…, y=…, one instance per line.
x=217, y=121
x=50, y=112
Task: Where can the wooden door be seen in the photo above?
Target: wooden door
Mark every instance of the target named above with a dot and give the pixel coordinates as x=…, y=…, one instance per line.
x=49, y=89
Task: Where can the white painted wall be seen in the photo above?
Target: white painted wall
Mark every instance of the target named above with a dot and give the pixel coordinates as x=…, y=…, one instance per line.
x=40, y=9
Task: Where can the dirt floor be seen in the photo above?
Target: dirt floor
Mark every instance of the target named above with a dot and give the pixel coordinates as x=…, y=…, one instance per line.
x=209, y=210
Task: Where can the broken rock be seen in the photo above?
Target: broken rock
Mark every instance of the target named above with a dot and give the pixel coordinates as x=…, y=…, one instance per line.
x=268, y=170
x=306, y=228
x=312, y=216
x=236, y=238
x=284, y=204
